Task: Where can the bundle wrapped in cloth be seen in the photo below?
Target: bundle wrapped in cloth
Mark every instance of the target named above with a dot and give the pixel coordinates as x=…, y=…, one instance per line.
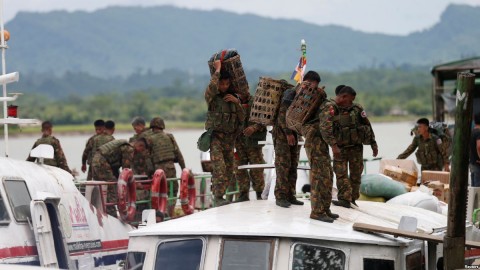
x=231, y=63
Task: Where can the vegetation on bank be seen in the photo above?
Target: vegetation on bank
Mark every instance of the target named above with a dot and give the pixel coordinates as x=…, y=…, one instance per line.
x=399, y=93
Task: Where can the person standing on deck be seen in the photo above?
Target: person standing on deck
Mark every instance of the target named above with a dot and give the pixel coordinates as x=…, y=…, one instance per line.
x=142, y=161
x=430, y=154
x=103, y=138
x=59, y=159
x=321, y=171
x=165, y=153
x=225, y=117
x=111, y=156
x=90, y=150
x=249, y=152
x=346, y=128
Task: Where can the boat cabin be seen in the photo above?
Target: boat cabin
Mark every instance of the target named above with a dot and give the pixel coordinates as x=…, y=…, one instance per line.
x=261, y=235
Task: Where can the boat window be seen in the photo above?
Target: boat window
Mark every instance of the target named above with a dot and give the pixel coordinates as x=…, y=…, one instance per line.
x=4, y=217
x=378, y=264
x=181, y=254
x=19, y=199
x=306, y=256
x=135, y=260
x=414, y=261
x=240, y=254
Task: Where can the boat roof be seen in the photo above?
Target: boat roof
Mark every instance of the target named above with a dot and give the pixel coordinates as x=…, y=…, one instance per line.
x=264, y=218
x=449, y=70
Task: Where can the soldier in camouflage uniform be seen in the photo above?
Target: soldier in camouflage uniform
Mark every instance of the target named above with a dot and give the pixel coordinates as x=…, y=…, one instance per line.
x=430, y=154
x=321, y=172
x=346, y=128
x=287, y=150
x=112, y=155
x=59, y=159
x=103, y=138
x=165, y=153
x=89, y=150
x=250, y=152
x=225, y=117
x=142, y=161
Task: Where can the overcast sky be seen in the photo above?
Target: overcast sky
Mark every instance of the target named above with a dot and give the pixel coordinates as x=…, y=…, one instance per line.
x=382, y=16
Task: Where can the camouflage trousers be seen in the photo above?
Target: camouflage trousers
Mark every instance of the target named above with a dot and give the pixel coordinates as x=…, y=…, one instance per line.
x=286, y=163
x=249, y=155
x=431, y=167
x=102, y=171
x=321, y=177
x=351, y=159
x=89, y=172
x=221, y=155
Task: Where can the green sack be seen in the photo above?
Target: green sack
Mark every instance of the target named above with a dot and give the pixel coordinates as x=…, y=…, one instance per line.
x=203, y=143
x=379, y=185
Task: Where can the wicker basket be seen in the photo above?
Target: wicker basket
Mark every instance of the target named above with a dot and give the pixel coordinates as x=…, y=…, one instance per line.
x=233, y=65
x=303, y=106
x=267, y=100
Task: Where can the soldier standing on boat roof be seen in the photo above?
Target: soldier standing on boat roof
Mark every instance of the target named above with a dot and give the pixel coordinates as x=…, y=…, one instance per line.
x=430, y=153
x=346, y=128
x=165, y=153
x=59, y=159
x=225, y=117
x=142, y=161
x=287, y=150
x=89, y=150
x=321, y=172
x=111, y=156
x=250, y=152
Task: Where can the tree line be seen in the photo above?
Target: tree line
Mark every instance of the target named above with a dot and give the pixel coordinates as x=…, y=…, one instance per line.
x=381, y=91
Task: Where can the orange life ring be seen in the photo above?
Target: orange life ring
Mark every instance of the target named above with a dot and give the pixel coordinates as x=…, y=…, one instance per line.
x=188, y=192
x=127, y=195
x=159, y=191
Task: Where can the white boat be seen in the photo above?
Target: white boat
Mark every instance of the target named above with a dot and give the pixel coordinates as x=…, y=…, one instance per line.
x=261, y=235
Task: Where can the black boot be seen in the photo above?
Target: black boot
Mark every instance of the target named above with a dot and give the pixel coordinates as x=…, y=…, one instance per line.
x=243, y=197
x=282, y=203
x=259, y=195
x=343, y=203
x=323, y=217
x=332, y=215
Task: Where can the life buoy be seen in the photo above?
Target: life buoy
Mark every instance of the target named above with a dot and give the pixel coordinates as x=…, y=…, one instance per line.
x=159, y=191
x=127, y=195
x=187, y=192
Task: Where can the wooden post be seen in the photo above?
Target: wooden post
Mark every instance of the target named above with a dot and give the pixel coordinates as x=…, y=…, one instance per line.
x=454, y=241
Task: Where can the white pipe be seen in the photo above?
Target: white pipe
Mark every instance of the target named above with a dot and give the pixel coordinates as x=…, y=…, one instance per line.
x=3, y=46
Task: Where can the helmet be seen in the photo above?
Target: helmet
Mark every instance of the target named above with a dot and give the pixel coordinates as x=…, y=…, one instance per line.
x=157, y=122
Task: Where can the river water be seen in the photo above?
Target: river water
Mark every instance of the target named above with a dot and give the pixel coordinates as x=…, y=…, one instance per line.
x=392, y=139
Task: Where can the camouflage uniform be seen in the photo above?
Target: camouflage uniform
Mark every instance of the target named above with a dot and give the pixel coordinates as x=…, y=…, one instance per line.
x=225, y=119
x=349, y=128
x=286, y=156
x=249, y=151
x=59, y=159
x=142, y=164
x=430, y=154
x=99, y=140
x=112, y=155
x=165, y=152
x=88, y=155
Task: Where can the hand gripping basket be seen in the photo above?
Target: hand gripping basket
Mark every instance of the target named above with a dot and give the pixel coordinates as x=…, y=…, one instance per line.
x=304, y=105
x=267, y=100
x=232, y=64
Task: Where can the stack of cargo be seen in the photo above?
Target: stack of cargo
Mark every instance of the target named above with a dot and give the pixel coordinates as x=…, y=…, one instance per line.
x=267, y=100
x=305, y=104
x=233, y=65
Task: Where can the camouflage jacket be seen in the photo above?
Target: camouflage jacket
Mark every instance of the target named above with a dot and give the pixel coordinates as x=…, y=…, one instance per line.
x=59, y=159
x=429, y=150
x=165, y=148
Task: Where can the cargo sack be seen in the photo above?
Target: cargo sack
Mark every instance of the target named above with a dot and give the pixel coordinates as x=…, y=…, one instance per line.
x=379, y=185
x=203, y=143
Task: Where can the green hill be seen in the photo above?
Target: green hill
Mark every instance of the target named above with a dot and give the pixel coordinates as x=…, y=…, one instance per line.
x=119, y=41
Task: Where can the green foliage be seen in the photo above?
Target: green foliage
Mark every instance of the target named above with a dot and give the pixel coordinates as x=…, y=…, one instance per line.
x=380, y=91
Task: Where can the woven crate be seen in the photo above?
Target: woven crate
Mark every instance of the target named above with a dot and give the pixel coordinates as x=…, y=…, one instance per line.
x=233, y=65
x=304, y=104
x=267, y=100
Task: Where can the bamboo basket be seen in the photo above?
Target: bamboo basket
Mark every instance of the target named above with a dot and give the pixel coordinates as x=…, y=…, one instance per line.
x=304, y=105
x=233, y=65
x=267, y=100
